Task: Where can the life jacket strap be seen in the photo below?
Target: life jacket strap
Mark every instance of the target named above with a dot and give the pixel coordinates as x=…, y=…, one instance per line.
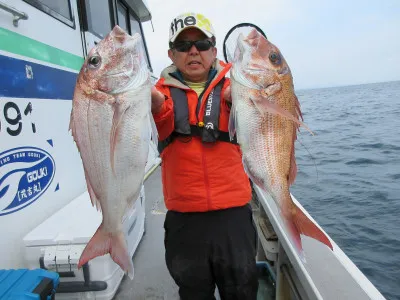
x=195, y=131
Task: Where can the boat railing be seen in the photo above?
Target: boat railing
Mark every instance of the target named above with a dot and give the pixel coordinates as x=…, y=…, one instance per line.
x=320, y=274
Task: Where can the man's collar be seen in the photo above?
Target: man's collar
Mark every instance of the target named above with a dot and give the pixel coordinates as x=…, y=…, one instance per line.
x=178, y=75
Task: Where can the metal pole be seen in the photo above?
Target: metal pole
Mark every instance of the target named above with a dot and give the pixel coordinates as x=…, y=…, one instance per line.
x=17, y=15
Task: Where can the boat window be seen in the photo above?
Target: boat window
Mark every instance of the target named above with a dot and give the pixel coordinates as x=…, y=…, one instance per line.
x=58, y=9
x=122, y=13
x=135, y=25
x=127, y=20
x=98, y=17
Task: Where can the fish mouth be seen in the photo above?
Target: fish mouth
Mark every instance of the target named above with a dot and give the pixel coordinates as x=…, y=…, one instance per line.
x=285, y=70
x=128, y=50
x=123, y=38
x=122, y=42
x=132, y=42
x=130, y=72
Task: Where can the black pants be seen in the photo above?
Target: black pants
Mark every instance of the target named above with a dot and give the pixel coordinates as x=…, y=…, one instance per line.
x=212, y=248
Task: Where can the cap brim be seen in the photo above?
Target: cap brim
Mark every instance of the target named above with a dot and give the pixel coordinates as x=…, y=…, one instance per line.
x=207, y=33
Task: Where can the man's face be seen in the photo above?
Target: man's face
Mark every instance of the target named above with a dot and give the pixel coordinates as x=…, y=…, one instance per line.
x=194, y=64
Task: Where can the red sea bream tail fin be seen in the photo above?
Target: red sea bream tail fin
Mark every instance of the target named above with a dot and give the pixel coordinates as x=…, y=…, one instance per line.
x=104, y=242
x=304, y=225
x=297, y=223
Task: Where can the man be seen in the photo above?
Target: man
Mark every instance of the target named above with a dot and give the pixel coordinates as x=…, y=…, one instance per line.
x=210, y=238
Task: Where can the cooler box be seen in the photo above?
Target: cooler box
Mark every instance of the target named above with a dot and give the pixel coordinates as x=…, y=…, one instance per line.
x=28, y=284
x=57, y=244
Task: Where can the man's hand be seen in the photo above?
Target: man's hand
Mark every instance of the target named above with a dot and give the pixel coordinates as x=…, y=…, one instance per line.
x=227, y=94
x=157, y=100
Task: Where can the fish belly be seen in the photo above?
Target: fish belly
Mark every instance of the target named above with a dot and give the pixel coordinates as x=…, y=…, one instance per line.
x=115, y=188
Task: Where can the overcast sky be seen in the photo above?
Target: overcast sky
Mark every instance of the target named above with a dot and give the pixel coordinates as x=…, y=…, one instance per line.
x=325, y=42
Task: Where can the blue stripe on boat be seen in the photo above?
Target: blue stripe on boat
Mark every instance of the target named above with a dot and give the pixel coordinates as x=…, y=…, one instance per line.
x=25, y=79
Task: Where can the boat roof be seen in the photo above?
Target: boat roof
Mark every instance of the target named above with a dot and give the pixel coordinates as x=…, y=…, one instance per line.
x=141, y=8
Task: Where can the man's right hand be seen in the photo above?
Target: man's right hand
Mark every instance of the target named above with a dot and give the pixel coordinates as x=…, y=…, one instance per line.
x=157, y=100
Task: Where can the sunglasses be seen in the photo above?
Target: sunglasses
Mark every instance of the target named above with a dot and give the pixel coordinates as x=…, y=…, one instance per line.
x=185, y=46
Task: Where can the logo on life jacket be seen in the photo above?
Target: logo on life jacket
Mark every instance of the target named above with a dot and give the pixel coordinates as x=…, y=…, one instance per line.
x=209, y=103
x=209, y=126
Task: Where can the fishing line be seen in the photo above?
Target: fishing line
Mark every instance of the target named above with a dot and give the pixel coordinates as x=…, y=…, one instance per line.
x=312, y=158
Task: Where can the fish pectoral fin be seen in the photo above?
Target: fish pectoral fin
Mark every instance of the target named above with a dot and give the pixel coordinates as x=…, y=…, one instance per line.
x=103, y=242
x=119, y=112
x=264, y=105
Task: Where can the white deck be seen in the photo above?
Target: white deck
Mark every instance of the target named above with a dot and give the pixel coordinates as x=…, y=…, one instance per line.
x=152, y=279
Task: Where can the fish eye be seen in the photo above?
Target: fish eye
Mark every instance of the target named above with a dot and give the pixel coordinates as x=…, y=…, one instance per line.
x=275, y=58
x=94, y=61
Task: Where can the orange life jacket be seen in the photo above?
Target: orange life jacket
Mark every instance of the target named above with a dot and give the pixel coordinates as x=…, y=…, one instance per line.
x=197, y=175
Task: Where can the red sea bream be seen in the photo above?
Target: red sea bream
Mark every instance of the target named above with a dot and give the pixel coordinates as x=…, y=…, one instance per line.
x=111, y=123
x=265, y=117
